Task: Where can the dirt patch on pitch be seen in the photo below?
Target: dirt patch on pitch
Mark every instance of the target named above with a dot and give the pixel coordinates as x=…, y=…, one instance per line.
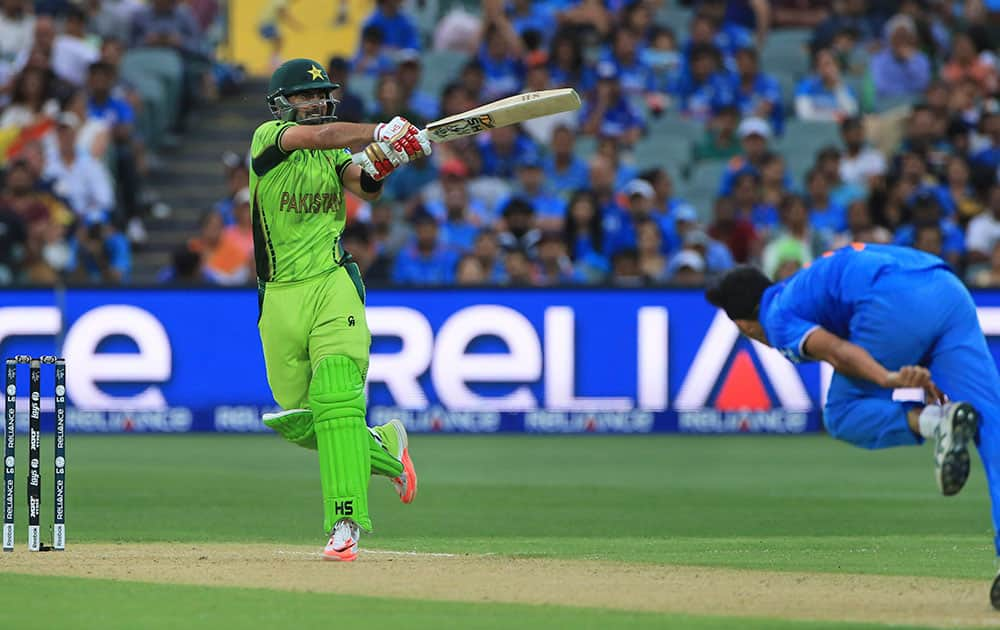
x=473, y=578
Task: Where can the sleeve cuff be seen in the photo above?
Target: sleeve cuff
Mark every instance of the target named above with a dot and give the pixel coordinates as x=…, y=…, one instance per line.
x=802, y=342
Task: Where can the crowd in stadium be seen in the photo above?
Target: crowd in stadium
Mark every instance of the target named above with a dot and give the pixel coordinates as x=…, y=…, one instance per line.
x=596, y=196
x=525, y=206
x=92, y=92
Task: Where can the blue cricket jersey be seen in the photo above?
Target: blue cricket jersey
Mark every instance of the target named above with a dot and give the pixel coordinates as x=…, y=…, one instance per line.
x=827, y=293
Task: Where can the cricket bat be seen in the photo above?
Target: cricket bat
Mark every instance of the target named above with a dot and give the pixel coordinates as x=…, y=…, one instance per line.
x=502, y=113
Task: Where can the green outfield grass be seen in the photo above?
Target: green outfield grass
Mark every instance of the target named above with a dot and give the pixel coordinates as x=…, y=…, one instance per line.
x=127, y=605
x=775, y=503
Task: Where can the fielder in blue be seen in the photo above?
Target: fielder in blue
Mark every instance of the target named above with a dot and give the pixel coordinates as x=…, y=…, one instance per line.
x=885, y=317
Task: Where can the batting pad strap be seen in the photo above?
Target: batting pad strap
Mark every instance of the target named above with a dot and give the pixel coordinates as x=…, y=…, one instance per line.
x=295, y=425
x=337, y=399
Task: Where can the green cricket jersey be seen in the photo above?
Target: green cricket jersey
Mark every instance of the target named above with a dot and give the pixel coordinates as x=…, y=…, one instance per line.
x=297, y=204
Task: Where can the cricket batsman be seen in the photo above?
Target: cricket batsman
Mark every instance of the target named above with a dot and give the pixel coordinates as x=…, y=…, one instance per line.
x=312, y=322
x=885, y=317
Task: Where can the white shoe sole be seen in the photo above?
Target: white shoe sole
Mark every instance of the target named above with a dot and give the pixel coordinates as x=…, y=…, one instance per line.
x=952, y=451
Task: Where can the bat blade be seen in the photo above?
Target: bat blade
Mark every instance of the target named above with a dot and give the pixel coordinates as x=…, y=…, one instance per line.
x=502, y=113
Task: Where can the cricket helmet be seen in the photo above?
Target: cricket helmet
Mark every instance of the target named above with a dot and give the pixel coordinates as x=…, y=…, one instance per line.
x=297, y=76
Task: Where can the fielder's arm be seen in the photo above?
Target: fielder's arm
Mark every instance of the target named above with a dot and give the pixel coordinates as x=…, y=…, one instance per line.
x=847, y=358
x=332, y=136
x=854, y=361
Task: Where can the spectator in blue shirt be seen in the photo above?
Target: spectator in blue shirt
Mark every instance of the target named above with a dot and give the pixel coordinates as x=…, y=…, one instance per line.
x=649, y=246
x=472, y=79
x=583, y=234
x=99, y=253
x=744, y=16
x=956, y=195
x=520, y=228
x=531, y=17
x=397, y=28
x=565, y=171
x=167, y=24
x=662, y=58
x=757, y=94
x=118, y=115
x=824, y=95
x=925, y=135
x=501, y=149
x=900, y=69
x=845, y=16
x=624, y=171
x=665, y=206
x=989, y=157
x=638, y=18
x=728, y=39
x=824, y=214
x=459, y=228
x=608, y=113
x=554, y=265
x=454, y=173
x=487, y=250
x=634, y=76
x=619, y=230
x=717, y=256
x=371, y=60
x=531, y=185
x=426, y=261
x=567, y=67
x=503, y=70
x=602, y=184
x=350, y=108
x=929, y=238
x=391, y=101
x=519, y=270
x=755, y=135
x=748, y=204
x=924, y=209
x=408, y=73
x=704, y=87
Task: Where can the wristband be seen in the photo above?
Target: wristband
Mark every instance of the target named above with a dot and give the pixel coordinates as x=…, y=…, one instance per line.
x=368, y=183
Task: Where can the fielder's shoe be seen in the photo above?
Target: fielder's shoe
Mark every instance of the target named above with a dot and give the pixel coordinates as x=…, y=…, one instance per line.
x=343, y=544
x=951, y=453
x=405, y=484
x=995, y=592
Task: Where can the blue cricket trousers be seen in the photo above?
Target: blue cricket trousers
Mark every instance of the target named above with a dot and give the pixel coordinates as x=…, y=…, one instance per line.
x=923, y=318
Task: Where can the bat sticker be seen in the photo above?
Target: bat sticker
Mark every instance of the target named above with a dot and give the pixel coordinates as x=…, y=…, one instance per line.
x=466, y=126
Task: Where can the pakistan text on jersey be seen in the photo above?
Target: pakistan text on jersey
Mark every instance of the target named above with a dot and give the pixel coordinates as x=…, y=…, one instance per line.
x=310, y=202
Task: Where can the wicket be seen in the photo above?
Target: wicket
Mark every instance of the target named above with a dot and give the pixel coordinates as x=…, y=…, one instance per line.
x=34, y=485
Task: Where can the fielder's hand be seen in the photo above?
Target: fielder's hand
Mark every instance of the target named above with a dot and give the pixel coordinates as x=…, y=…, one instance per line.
x=378, y=160
x=915, y=376
x=404, y=138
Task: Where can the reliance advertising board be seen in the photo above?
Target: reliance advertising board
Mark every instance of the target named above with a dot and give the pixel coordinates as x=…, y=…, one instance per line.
x=544, y=361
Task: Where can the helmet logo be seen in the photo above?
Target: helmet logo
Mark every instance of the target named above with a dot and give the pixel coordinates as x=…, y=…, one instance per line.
x=315, y=73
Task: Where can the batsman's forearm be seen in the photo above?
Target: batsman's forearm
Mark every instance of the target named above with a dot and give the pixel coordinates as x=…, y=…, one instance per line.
x=854, y=361
x=344, y=134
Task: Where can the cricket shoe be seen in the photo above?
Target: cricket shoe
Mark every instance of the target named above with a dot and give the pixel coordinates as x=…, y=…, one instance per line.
x=343, y=544
x=958, y=427
x=405, y=484
x=995, y=592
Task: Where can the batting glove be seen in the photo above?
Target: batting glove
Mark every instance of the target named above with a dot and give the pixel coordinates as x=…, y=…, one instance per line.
x=378, y=160
x=404, y=138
